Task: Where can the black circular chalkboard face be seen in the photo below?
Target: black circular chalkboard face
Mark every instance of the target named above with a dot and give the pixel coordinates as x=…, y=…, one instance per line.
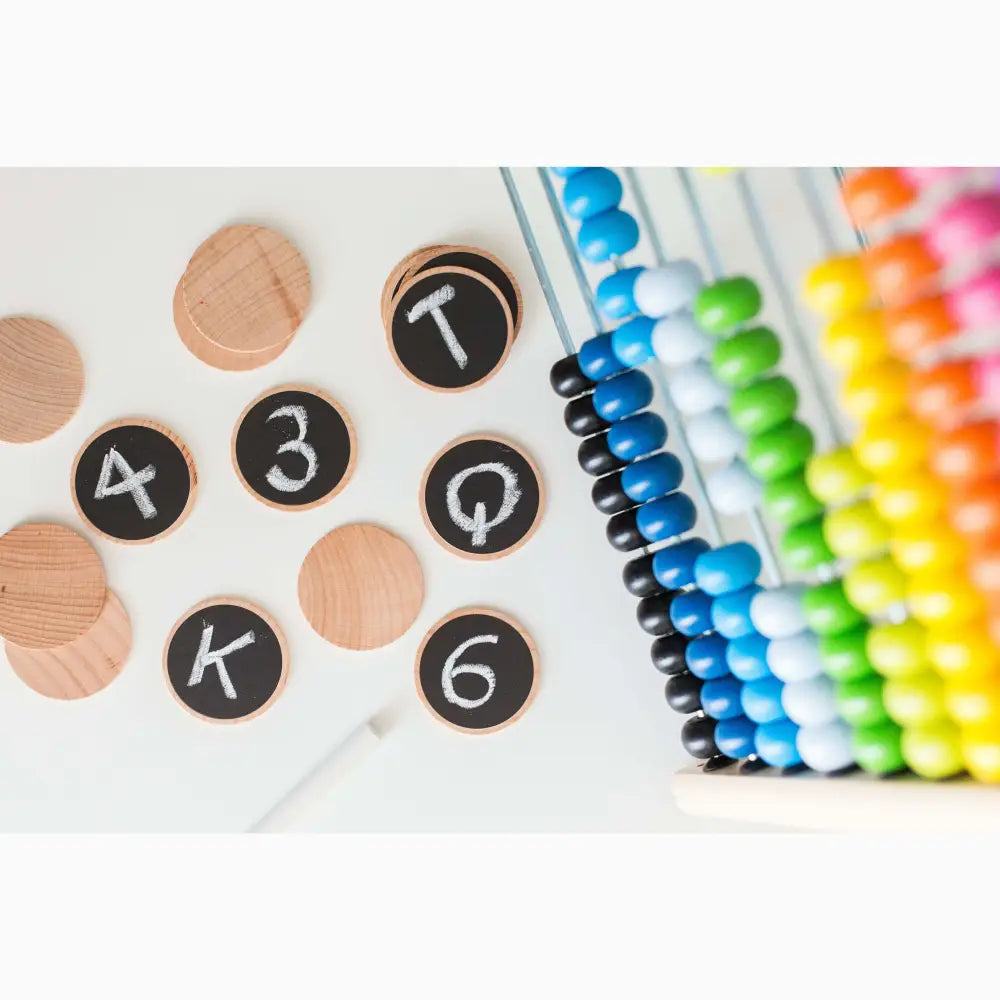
x=482, y=497
x=294, y=448
x=134, y=481
x=450, y=328
x=477, y=670
x=225, y=660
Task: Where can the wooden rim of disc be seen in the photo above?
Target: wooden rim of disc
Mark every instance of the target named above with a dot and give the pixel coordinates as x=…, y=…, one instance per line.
x=82, y=667
x=482, y=556
x=430, y=272
x=41, y=379
x=52, y=585
x=185, y=454
x=246, y=288
x=396, y=277
x=361, y=586
x=235, y=602
x=521, y=631
x=348, y=423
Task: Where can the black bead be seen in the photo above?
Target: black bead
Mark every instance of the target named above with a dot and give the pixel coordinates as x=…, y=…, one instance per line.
x=639, y=579
x=623, y=533
x=698, y=737
x=581, y=417
x=609, y=497
x=717, y=763
x=752, y=765
x=567, y=379
x=654, y=613
x=683, y=693
x=596, y=458
x=667, y=653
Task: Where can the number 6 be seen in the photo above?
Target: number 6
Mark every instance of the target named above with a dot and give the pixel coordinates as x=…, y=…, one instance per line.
x=275, y=476
x=453, y=670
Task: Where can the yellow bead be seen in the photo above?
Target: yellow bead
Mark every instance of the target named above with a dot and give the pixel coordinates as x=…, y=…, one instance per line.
x=836, y=477
x=934, y=751
x=837, y=287
x=944, y=599
x=897, y=650
x=973, y=704
x=874, y=585
x=926, y=546
x=963, y=653
x=876, y=391
x=855, y=531
x=981, y=750
x=856, y=340
x=917, y=495
x=915, y=701
x=889, y=448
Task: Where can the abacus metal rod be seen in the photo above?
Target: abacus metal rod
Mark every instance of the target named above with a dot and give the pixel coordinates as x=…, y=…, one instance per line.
x=859, y=234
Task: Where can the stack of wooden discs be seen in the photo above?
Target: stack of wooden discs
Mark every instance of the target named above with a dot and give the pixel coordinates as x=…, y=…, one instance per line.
x=242, y=298
x=66, y=634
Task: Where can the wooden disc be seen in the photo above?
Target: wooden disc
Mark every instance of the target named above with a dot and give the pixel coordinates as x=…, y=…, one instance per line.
x=41, y=379
x=81, y=668
x=396, y=277
x=361, y=587
x=52, y=585
x=246, y=289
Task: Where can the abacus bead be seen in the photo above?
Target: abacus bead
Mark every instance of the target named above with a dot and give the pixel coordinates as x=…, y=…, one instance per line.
x=734, y=737
x=668, y=653
x=836, y=287
x=876, y=392
x=856, y=340
x=917, y=495
x=918, y=325
x=691, y=612
x=976, y=303
x=596, y=458
x=653, y=613
x=597, y=358
x=777, y=613
x=652, y=477
x=590, y=191
x=566, y=171
x=666, y=517
x=984, y=569
x=874, y=585
x=608, y=495
x=927, y=547
x=609, y=234
x=698, y=737
x=803, y=546
x=695, y=389
x=779, y=451
x=615, y=293
x=888, y=448
x=975, y=511
x=811, y=702
x=566, y=378
x=855, y=531
x=660, y=291
x=965, y=225
x=986, y=376
x=876, y=193
x=638, y=577
x=939, y=394
x=963, y=652
x=974, y=704
x=720, y=698
x=967, y=453
x=826, y=748
x=683, y=693
x=678, y=340
x=706, y=657
x=933, y=751
x=727, y=568
x=622, y=395
x=901, y=268
x=637, y=435
x=915, y=701
x=761, y=700
x=746, y=355
x=733, y=489
x=827, y=610
x=632, y=342
x=877, y=749
x=731, y=612
x=944, y=598
x=859, y=702
x=897, y=649
x=727, y=303
x=674, y=564
x=581, y=419
x=775, y=743
x=836, y=477
x=623, y=533
x=789, y=501
x=795, y=657
x=746, y=657
x=713, y=438
x=844, y=655
x=759, y=406
x=981, y=752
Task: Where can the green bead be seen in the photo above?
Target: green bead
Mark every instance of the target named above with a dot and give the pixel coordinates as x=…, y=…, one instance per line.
x=878, y=750
x=789, y=500
x=726, y=303
x=845, y=656
x=827, y=610
x=859, y=703
x=746, y=355
x=803, y=546
x=762, y=405
x=779, y=451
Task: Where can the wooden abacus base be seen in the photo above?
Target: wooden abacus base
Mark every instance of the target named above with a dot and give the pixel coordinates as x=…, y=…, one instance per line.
x=848, y=803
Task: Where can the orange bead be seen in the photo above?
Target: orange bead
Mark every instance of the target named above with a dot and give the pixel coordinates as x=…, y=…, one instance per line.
x=993, y=620
x=975, y=512
x=911, y=328
x=967, y=453
x=984, y=568
x=874, y=194
x=941, y=394
x=901, y=269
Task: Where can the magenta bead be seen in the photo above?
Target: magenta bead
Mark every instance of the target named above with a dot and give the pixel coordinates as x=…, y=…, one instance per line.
x=964, y=225
x=986, y=372
x=925, y=177
x=976, y=303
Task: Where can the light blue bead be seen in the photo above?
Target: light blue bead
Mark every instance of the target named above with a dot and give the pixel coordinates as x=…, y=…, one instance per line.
x=566, y=171
x=637, y=435
x=691, y=612
x=734, y=737
x=597, y=359
x=632, y=342
x=747, y=657
x=731, y=612
x=727, y=568
x=615, y=293
x=666, y=517
x=761, y=700
x=591, y=191
x=775, y=743
x=652, y=477
x=627, y=393
x=720, y=698
x=610, y=234
x=706, y=657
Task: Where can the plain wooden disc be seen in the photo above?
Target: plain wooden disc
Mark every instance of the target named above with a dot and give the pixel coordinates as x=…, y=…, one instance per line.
x=246, y=288
x=361, y=587
x=41, y=379
x=81, y=668
x=52, y=585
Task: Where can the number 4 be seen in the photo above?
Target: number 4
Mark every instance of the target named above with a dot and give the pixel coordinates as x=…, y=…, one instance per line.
x=131, y=482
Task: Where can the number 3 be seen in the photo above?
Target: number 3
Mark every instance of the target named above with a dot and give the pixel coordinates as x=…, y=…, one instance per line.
x=452, y=669
x=275, y=476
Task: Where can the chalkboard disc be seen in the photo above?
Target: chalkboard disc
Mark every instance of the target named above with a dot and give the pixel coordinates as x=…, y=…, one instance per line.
x=451, y=329
x=477, y=670
x=226, y=660
x=134, y=481
x=403, y=270
x=294, y=447
x=482, y=496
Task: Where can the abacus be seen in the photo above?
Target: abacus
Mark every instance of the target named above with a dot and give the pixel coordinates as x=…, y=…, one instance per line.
x=869, y=650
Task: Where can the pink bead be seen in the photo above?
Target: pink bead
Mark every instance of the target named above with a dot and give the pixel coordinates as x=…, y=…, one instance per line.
x=986, y=372
x=976, y=303
x=924, y=177
x=964, y=225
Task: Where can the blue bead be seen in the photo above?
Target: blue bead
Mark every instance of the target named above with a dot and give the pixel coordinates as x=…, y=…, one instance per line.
x=673, y=566
x=610, y=234
x=624, y=394
x=720, y=698
x=597, y=360
x=691, y=612
x=666, y=517
x=591, y=191
x=637, y=435
x=775, y=743
x=566, y=171
x=761, y=700
x=614, y=293
x=731, y=612
x=632, y=342
x=727, y=568
x=652, y=477
x=734, y=737
x=706, y=657
x=747, y=657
